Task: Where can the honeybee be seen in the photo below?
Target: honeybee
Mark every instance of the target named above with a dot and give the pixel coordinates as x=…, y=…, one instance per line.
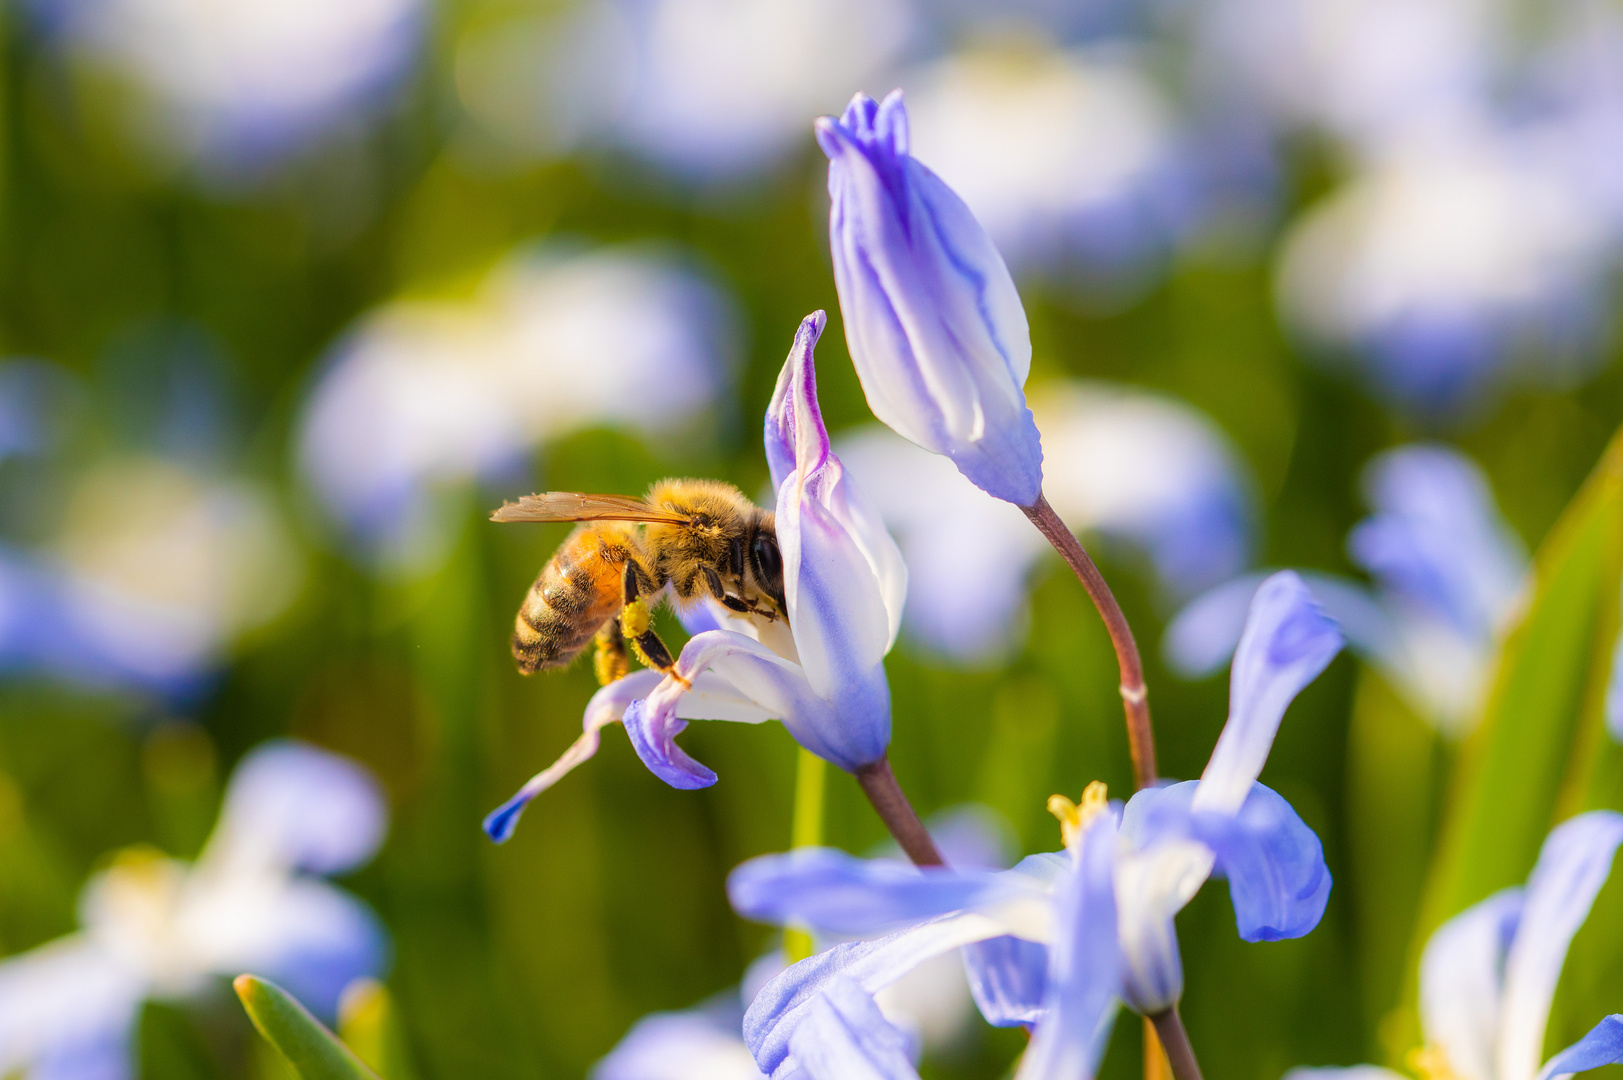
x=687, y=540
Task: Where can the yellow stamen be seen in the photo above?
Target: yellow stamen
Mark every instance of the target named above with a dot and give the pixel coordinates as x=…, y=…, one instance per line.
x=1431, y=1063
x=1074, y=819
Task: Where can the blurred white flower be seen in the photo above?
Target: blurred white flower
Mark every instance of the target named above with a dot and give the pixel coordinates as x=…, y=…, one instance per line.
x=235, y=87
x=155, y=569
x=1362, y=69
x=426, y=394
x=1137, y=469
x=1442, y=265
x=1449, y=578
x=253, y=902
x=1065, y=157
x=706, y=89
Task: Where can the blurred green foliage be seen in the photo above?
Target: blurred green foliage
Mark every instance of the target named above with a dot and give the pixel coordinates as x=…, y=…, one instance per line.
x=530, y=960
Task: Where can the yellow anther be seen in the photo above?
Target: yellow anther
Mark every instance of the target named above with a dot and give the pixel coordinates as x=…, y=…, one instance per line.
x=634, y=619
x=1074, y=819
x=1431, y=1063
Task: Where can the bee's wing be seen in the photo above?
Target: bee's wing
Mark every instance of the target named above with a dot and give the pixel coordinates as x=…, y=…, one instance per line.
x=573, y=506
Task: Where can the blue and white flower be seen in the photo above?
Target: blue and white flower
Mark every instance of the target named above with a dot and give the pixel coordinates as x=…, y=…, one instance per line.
x=236, y=90
x=1449, y=574
x=1170, y=840
x=1488, y=975
x=254, y=901
x=426, y=396
x=1069, y=159
x=1140, y=471
x=823, y=675
x=150, y=598
x=933, y=321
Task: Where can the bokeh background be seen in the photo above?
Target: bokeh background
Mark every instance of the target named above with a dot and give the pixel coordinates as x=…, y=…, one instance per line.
x=292, y=293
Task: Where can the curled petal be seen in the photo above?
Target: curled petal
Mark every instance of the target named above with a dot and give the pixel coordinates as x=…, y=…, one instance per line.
x=1288, y=640
x=1461, y=980
x=734, y=677
x=934, y=324
x=1602, y=1046
x=1572, y=866
x=843, y=577
x=607, y=706
x=653, y=735
x=836, y=893
x=1084, y=965
x=844, y=1036
x=1278, y=881
x=1152, y=886
x=1007, y=976
x=292, y=805
x=782, y=1004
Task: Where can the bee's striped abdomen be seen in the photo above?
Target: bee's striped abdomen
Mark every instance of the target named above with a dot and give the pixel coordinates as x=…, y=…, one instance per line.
x=577, y=592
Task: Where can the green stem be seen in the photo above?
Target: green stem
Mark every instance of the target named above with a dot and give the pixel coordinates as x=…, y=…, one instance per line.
x=805, y=830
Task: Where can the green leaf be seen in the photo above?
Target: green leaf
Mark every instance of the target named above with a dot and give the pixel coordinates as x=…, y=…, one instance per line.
x=314, y=1052
x=1535, y=755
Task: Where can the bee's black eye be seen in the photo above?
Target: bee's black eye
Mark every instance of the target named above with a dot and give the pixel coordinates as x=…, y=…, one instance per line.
x=768, y=564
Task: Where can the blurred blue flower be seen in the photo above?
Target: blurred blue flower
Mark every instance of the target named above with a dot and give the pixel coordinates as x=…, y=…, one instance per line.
x=1472, y=242
x=1137, y=470
x=1449, y=576
x=708, y=91
x=1069, y=159
x=154, y=927
x=239, y=89
x=152, y=597
x=35, y=400
x=823, y=675
x=426, y=396
x=933, y=321
x=1171, y=839
x=1488, y=975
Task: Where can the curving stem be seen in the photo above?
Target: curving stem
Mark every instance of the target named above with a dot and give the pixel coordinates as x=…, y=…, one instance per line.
x=879, y=784
x=1175, y=1041
x=1134, y=696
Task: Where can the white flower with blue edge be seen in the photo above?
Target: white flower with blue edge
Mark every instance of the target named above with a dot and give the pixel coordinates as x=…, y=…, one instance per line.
x=254, y=902
x=1170, y=840
x=1488, y=975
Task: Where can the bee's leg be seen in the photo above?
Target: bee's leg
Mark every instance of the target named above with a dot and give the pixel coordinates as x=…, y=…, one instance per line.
x=719, y=591
x=610, y=662
x=636, y=626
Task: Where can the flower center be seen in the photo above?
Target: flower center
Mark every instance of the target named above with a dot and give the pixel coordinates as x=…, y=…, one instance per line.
x=1073, y=818
x=1431, y=1063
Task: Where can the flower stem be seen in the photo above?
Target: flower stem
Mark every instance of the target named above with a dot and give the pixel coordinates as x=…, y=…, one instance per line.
x=1175, y=1041
x=1134, y=696
x=805, y=830
x=879, y=784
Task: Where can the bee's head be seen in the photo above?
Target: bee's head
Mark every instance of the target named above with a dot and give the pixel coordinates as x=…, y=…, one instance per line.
x=766, y=563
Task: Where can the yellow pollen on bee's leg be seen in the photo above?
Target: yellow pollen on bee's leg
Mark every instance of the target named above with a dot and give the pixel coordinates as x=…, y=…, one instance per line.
x=1431, y=1063
x=1074, y=818
x=634, y=619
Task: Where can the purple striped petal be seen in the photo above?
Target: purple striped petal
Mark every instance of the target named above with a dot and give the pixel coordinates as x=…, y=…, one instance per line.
x=934, y=324
x=845, y=1037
